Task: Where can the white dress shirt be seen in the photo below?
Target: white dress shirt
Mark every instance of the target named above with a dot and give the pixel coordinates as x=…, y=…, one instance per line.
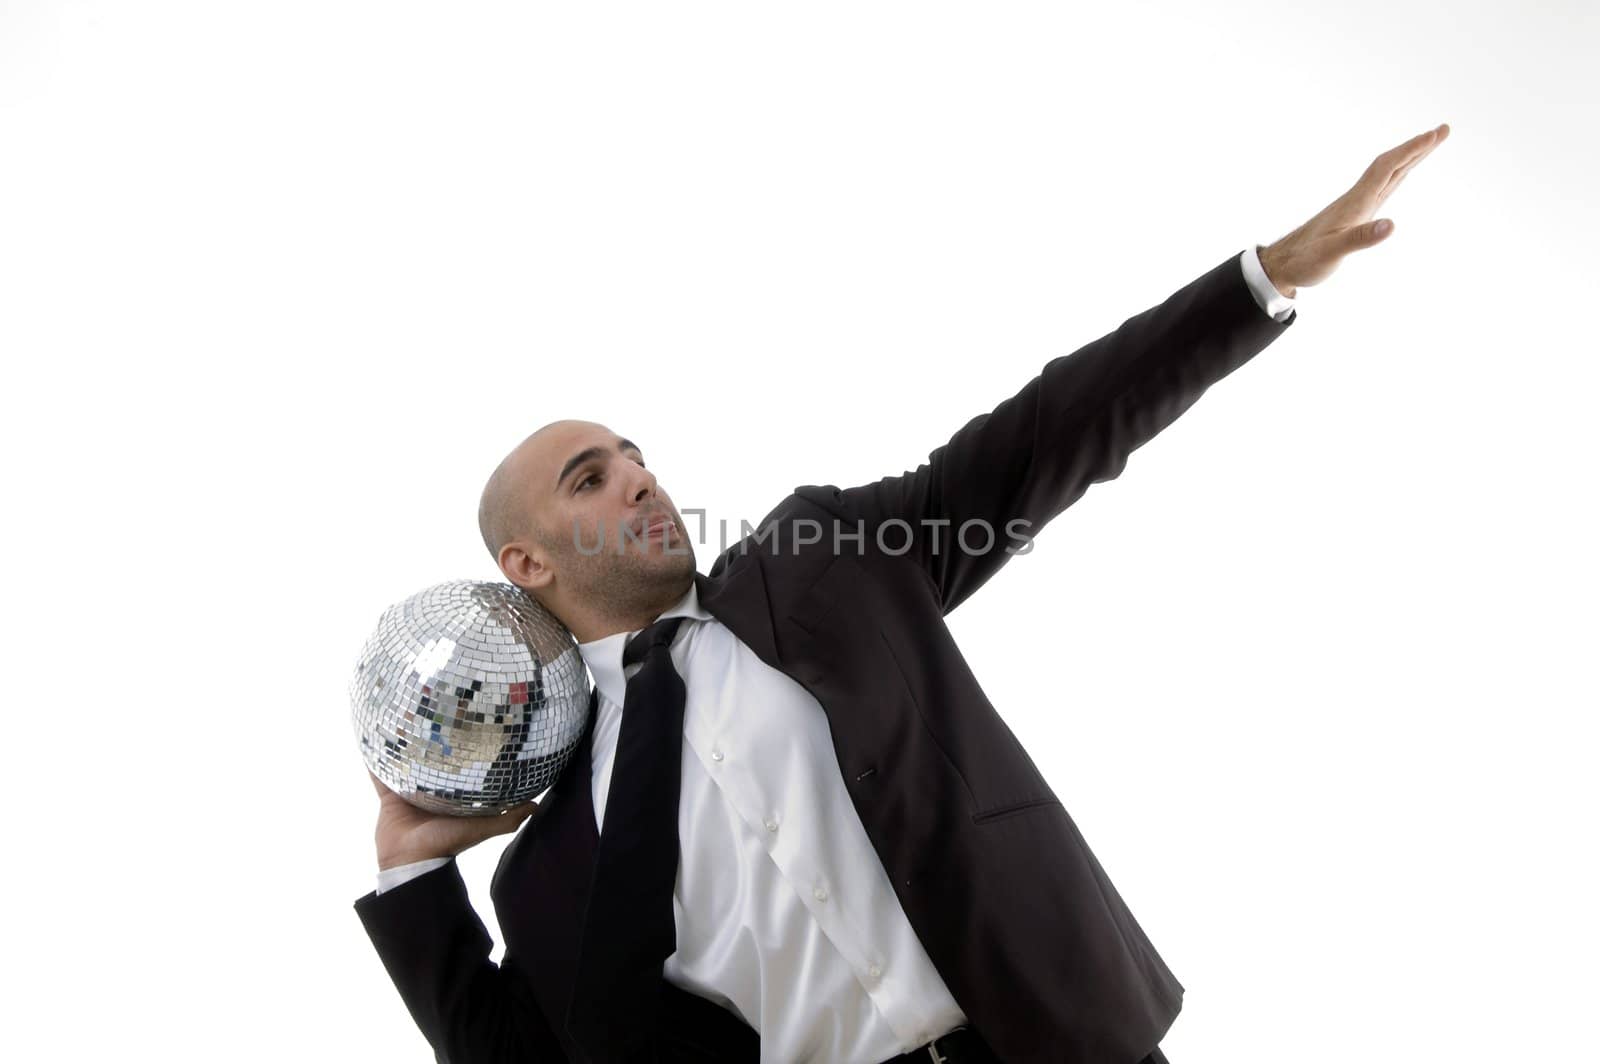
x=784, y=913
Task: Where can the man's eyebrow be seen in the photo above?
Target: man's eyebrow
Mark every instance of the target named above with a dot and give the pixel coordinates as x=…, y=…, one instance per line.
x=589, y=453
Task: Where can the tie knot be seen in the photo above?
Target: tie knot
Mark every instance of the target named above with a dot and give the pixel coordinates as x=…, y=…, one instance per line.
x=657, y=635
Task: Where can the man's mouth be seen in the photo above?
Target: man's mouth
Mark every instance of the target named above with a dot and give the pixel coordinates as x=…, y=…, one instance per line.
x=659, y=526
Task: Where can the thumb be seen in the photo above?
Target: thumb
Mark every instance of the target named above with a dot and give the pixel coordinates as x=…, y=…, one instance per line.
x=1372, y=233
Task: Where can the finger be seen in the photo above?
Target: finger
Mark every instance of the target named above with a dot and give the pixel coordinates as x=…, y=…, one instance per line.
x=1400, y=174
x=1416, y=147
x=1406, y=166
x=1402, y=157
x=506, y=822
x=1443, y=131
x=1394, y=183
x=490, y=826
x=1364, y=236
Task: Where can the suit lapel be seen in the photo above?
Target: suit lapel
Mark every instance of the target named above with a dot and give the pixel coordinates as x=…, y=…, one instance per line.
x=737, y=596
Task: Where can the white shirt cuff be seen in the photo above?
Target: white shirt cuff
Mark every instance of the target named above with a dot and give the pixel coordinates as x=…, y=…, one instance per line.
x=1267, y=296
x=389, y=878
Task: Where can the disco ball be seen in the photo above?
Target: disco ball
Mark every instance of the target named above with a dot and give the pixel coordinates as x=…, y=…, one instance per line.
x=469, y=698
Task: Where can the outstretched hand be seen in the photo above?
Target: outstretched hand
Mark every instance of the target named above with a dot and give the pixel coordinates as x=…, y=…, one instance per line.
x=1310, y=253
x=406, y=833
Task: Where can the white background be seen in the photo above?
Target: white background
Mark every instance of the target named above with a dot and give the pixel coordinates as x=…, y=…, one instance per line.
x=280, y=283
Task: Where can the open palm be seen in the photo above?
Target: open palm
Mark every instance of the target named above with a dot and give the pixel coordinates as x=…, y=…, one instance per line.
x=1310, y=253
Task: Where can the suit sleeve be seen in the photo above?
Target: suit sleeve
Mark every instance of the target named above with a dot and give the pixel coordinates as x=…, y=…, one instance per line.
x=436, y=950
x=1075, y=424
x=1268, y=298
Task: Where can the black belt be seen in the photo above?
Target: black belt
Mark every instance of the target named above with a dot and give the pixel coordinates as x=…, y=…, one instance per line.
x=960, y=1046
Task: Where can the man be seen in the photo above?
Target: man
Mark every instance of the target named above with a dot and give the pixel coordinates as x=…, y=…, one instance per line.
x=867, y=866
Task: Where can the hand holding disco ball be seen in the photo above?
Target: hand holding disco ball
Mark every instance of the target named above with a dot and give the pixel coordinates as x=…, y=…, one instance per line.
x=406, y=833
x=468, y=700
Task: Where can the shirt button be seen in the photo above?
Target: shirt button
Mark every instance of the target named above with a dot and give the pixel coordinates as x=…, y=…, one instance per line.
x=772, y=825
x=820, y=894
x=874, y=971
x=716, y=755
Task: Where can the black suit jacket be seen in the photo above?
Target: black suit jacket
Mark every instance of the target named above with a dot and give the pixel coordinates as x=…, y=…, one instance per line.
x=1016, y=913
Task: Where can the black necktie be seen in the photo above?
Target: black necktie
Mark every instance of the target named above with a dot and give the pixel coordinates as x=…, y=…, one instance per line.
x=628, y=928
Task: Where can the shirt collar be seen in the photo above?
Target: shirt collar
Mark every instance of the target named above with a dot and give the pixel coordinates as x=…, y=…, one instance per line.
x=603, y=656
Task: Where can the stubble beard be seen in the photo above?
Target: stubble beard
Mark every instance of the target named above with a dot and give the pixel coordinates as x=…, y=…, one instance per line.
x=643, y=577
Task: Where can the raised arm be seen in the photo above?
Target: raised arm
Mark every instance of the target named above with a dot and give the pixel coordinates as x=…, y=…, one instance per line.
x=1012, y=470
x=1074, y=425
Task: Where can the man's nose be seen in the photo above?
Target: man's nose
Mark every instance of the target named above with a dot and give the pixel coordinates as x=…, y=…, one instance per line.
x=643, y=485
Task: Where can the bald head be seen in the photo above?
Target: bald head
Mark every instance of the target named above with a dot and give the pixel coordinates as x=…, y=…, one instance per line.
x=581, y=476
x=502, y=508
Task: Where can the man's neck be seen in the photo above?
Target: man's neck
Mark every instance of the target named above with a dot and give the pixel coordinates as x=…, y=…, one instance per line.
x=587, y=628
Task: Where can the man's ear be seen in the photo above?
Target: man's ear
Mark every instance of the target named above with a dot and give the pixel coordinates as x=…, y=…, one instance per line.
x=524, y=569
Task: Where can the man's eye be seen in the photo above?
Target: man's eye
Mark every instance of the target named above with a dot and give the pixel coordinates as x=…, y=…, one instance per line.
x=585, y=481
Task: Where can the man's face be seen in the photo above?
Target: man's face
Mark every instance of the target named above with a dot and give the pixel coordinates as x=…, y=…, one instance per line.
x=591, y=503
